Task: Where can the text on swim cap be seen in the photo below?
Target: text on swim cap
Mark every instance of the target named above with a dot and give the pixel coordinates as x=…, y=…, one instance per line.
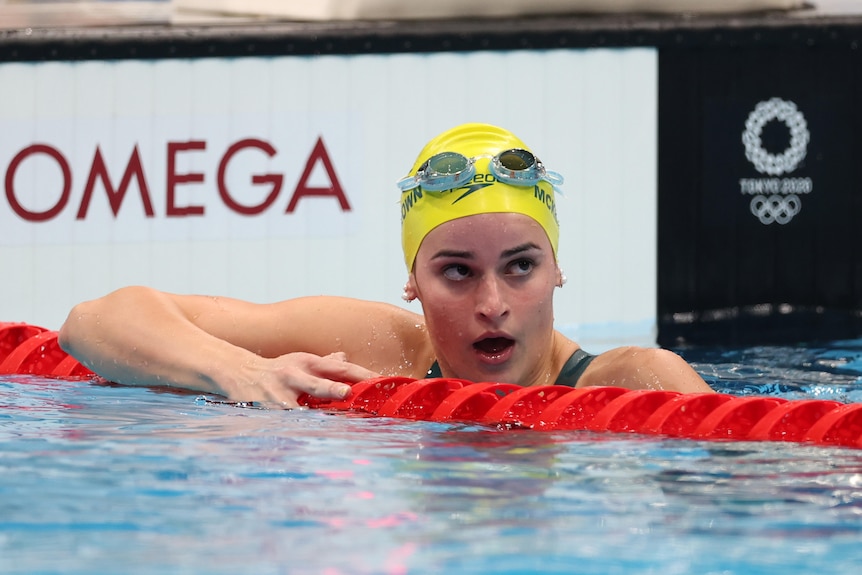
x=413, y=195
x=546, y=198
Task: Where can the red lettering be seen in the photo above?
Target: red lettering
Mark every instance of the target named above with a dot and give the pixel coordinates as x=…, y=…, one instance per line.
x=115, y=197
x=319, y=153
x=274, y=179
x=175, y=179
x=23, y=212
x=134, y=170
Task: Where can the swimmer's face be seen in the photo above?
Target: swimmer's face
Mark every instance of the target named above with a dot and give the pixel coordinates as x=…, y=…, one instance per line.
x=486, y=284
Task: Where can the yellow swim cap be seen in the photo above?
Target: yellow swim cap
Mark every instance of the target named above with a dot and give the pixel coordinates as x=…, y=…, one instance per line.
x=423, y=210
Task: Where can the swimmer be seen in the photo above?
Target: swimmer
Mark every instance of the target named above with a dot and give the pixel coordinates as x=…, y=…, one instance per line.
x=480, y=238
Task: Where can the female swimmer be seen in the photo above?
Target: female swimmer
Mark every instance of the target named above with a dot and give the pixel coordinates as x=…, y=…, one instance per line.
x=480, y=238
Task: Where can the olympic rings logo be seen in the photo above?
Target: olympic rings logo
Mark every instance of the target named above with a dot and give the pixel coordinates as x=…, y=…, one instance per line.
x=763, y=113
x=775, y=208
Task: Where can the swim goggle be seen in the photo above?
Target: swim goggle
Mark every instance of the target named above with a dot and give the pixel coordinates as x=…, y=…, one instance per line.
x=448, y=170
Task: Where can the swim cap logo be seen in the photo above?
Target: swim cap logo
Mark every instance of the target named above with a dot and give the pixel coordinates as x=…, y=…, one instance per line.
x=470, y=190
x=412, y=197
x=775, y=199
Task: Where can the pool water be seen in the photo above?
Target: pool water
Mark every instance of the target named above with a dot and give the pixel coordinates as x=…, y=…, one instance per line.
x=107, y=479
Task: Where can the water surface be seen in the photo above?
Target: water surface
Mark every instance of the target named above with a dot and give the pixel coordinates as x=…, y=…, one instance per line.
x=106, y=479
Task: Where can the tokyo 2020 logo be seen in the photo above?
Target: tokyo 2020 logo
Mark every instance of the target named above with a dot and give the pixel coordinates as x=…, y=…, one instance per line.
x=775, y=199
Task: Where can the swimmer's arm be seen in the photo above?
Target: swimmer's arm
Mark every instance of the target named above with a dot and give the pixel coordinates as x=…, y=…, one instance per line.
x=644, y=368
x=139, y=336
x=245, y=351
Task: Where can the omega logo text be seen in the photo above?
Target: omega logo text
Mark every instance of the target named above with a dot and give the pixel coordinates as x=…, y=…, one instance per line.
x=173, y=179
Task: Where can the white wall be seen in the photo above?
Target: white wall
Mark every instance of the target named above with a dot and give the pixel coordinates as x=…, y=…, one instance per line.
x=589, y=114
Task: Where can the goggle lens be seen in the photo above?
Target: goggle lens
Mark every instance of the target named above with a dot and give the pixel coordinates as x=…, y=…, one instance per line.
x=517, y=160
x=447, y=163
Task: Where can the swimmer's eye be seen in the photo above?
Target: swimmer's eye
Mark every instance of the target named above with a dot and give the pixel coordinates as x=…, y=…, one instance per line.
x=521, y=267
x=456, y=272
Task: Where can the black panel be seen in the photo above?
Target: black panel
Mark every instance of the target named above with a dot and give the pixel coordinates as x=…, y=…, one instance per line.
x=772, y=250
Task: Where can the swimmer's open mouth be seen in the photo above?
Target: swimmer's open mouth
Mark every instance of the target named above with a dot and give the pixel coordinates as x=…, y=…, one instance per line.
x=493, y=345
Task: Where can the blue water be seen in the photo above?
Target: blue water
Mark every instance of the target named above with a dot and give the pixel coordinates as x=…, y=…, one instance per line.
x=105, y=479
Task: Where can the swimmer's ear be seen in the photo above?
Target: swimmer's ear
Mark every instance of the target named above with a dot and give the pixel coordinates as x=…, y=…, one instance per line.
x=410, y=292
x=561, y=277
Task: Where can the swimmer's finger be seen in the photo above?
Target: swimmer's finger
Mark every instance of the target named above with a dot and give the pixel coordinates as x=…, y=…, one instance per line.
x=318, y=387
x=339, y=369
x=323, y=388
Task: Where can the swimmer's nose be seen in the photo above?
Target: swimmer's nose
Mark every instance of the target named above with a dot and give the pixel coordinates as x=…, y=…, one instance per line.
x=490, y=298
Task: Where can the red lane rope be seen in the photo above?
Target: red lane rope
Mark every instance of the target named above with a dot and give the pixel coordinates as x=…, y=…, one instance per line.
x=28, y=349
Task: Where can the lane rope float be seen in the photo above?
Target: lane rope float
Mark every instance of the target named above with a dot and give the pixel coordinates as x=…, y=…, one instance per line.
x=28, y=349
x=34, y=350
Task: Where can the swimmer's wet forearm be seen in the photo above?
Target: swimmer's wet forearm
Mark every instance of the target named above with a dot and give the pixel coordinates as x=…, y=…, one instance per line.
x=137, y=336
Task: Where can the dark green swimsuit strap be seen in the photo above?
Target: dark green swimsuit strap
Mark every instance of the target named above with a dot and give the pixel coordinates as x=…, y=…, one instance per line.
x=569, y=375
x=574, y=368
x=434, y=371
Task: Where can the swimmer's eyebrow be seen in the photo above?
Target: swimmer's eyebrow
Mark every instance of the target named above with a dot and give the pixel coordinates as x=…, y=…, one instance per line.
x=467, y=255
x=519, y=249
x=453, y=254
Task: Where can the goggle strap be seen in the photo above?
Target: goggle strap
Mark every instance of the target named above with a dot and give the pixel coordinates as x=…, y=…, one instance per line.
x=407, y=183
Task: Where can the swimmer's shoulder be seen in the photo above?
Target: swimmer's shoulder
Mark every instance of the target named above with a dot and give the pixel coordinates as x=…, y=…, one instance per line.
x=607, y=368
x=635, y=367
x=581, y=368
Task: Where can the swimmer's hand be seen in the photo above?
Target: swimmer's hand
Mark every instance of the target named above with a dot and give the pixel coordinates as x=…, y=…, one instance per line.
x=278, y=382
